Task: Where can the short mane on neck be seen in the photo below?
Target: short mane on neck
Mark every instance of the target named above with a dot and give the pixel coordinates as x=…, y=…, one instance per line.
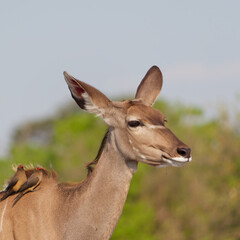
x=72, y=186
x=90, y=166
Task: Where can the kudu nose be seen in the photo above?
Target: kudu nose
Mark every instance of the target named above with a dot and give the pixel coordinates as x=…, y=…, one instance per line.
x=184, y=152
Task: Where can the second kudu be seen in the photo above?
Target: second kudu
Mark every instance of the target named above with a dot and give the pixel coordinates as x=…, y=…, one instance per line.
x=91, y=209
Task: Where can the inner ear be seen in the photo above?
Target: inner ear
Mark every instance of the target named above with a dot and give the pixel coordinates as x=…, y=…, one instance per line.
x=86, y=96
x=77, y=92
x=150, y=86
x=76, y=89
x=92, y=100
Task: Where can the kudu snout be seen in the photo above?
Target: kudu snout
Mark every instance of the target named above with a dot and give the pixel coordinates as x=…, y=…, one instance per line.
x=184, y=152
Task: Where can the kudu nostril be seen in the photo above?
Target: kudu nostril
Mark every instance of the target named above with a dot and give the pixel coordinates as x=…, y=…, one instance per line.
x=184, y=152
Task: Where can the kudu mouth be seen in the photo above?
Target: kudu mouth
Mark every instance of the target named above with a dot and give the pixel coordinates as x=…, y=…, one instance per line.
x=176, y=161
x=166, y=161
x=183, y=157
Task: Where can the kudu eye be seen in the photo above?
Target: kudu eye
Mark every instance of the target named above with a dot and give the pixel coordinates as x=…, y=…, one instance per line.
x=134, y=124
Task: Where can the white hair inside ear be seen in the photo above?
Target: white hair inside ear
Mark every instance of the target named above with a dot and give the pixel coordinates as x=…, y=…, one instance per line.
x=90, y=107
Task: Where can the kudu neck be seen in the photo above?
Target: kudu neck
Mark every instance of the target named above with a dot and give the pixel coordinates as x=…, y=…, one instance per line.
x=112, y=149
x=96, y=211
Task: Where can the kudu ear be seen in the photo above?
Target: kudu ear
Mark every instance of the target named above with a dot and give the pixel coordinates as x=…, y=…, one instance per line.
x=150, y=87
x=87, y=97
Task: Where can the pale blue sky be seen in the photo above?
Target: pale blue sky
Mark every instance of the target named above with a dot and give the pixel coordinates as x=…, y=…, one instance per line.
x=111, y=45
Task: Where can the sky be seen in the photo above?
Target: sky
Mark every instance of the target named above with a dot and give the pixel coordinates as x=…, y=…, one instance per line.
x=111, y=45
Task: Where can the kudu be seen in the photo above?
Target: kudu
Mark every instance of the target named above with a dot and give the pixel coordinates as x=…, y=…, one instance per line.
x=91, y=209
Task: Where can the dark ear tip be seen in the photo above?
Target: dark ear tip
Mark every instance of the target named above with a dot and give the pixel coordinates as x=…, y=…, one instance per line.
x=68, y=77
x=155, y=68
x=65, y=74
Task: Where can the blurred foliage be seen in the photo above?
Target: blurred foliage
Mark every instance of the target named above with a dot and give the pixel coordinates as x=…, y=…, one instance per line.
x=197, y=201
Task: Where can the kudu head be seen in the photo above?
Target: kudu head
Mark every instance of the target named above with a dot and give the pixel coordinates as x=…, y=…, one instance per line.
x=139, y=130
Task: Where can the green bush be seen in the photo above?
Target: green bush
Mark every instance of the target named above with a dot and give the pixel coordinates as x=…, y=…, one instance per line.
x=197, y=201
